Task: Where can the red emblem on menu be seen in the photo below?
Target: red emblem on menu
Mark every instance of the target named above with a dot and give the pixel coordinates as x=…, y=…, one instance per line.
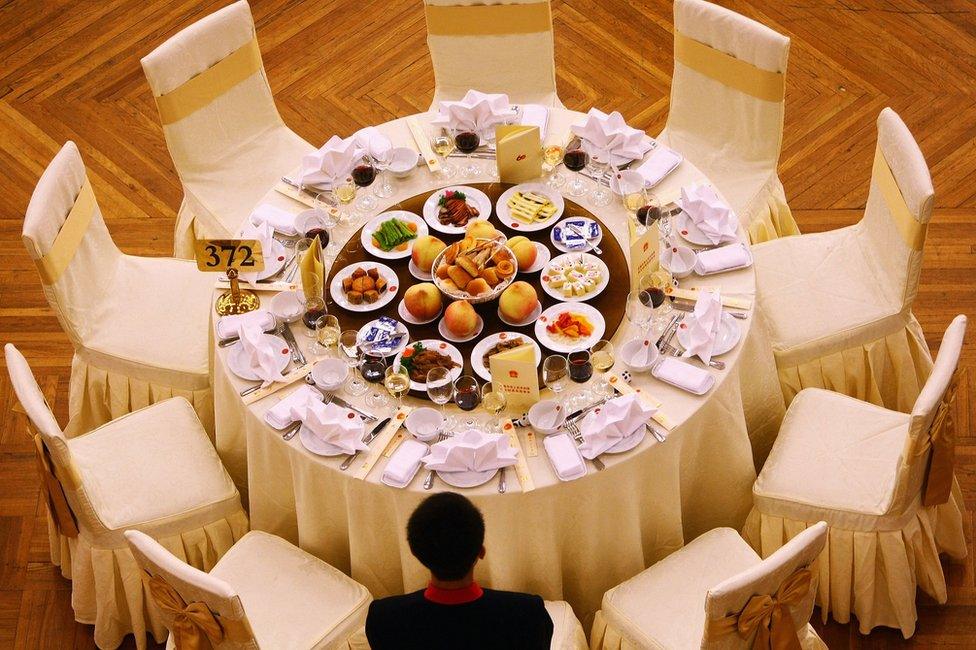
x=513, y=374
x=521, y=156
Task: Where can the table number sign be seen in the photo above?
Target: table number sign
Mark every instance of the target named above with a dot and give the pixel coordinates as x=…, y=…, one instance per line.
x=231, y=256
x=514, y=373
x=643, y=252
x=518, y=152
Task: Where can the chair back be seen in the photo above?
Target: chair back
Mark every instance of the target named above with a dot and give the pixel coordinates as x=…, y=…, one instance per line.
x=66, y=237
x=192, y=603
x=492, y=47
x=727, y=89
x=785, y=581
x=898, y=210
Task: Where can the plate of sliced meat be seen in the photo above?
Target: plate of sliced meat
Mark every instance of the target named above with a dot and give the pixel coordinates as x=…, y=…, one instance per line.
x=449, y=210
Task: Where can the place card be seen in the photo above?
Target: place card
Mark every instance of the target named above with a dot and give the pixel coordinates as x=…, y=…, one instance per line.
x=518, y=153
x=379, y=444
x=624, y=388
x=423, y=144
x=727, y=301
x=290, y=378
x=295, y=193
x=398, y=438
x=514, y=373
x=644, y=256
x=522, y=466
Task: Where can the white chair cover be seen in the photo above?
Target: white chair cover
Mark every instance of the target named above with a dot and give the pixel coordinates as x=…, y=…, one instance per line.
x=154, y=470
x=139, y=325
x=862, y=469
x=727, y=109
x=678, y=602
x=494, y=47
x=838, y=303
x=224, y=133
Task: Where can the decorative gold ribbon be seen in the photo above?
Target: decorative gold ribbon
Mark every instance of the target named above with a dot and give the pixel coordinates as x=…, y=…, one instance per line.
x=73, y=230
x=768, y=616
x=57, y=502
x=194, y=626
x=199, y=91
x=941, y=439
x=912, y=230
x=728, y=70
x=488, y=20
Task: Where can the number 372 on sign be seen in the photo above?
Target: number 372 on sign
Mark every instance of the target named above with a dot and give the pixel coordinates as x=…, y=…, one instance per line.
x=225, y=254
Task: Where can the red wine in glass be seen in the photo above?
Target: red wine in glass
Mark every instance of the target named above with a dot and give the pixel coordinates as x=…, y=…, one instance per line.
x=373, y=369
x=467, y=141
x=647, y=215
x=321, y=233
x=657, y=296
x=576, y=160
x=312, y=315
x=467, y=398
x=580, y=368
x=364, y=174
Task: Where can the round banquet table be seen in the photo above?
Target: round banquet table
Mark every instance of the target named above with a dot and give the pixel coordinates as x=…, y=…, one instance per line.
x=564, y=540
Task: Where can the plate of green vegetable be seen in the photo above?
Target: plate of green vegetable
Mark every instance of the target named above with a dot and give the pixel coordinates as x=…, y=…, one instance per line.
x=390, y=235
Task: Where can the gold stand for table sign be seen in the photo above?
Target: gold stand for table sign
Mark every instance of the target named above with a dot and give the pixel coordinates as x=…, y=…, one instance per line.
x=231, y=256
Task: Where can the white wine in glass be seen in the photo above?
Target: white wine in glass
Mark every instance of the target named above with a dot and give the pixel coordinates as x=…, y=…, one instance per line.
x=552, y=155
x=345, y=191
x=397, y=383
x=327, y=331
x=492, y=401
x=443, y=145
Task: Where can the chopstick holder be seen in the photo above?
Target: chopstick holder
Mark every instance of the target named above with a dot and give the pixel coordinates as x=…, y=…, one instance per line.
x=727, y=301
x=290, y=378
x=398, y=437
x=521, y=465
x=379, y=444
x=624, y=388
x=423, y=144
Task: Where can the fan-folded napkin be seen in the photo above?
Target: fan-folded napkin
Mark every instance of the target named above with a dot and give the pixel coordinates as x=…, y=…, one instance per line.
x=378, y=146
x=704, y=326
x=330, y=164
x=619, y=418
x=713, y=217
x=280, y=220
x=292, y=408
x=476, y=111
x=333, y=425
x=471, y=451
x=229, y=326
x=608, y=138
x=260, y=355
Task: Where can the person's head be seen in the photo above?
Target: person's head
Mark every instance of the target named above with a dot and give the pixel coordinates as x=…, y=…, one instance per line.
x=446, y=533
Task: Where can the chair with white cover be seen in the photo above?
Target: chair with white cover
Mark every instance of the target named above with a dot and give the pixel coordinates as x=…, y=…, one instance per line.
x=883, y=481
x=223, y=130
x=153, y=470
x=263, y=593
x=716, y=594
x=727, y=107
x=140, y=326
x=838, y=303
x=492, y=47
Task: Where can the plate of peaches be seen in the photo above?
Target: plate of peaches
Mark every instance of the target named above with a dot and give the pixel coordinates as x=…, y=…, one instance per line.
x=476, y=270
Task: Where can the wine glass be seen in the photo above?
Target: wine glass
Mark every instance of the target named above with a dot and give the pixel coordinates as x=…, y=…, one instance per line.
x=327, y=332
x=397, y=382
x=328, y=214
x=385, y=188
x=552, y=155
x=575, y=161
x=351, y=355
x=363, y=176
x=493, y=401
x=467, y=141
x=657, y=284
x=600, y=196
x=440, y=390
x=555, y=374
x=443, y=145
x=373, y=370
x=344, y=192
x=650, y=212
x=601, y=356
x=467, y=397
x=639, y=310
x=314, y=301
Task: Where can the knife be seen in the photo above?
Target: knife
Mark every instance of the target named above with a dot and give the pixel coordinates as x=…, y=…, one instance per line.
x=296, y=352
x=368, y=439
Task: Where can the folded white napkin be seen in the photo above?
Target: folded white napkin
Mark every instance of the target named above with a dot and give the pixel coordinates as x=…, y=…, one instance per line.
x=378, y=146
x=683, y=375
x=264, y=233
x=404, y=463
x=280, y=220
x=608, y=136
x=477, y=111
x=292, y=408
x=330, y=164
x=564, y=456
x=228, y=326
x=723, y=258
x=605, y=426
x=704, y=326
x=335, y=425
x=662, y=161
x=536, y=115
x=710, y=213
x=261, y=356
x=471, y=451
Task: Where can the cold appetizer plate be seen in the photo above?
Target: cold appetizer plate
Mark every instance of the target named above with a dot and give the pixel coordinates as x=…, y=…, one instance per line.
x=576, y=234
x=420, y=357
x=365, y=286
x=575, y=277
x=450, y=209
x=385, y=336
x=496, y=343
x=570, y=326
x=529, y=207
x=390, y=235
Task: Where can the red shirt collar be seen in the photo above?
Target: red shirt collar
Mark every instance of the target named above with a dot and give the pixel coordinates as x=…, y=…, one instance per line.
x=453, y=596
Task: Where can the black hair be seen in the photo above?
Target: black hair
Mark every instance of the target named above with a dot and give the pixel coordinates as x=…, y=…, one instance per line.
x=446, y=533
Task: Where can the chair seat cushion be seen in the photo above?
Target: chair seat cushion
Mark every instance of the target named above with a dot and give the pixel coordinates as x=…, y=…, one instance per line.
x=833, y=452
x=292, y=598
x=665, y=604
x=820, y=295
x=153, y=463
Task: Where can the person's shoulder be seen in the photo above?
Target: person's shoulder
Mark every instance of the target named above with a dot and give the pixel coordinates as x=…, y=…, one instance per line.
x=393, y=605
x=515, y=599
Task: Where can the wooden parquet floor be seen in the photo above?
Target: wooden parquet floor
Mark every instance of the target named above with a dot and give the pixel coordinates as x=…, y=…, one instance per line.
x=70, y=69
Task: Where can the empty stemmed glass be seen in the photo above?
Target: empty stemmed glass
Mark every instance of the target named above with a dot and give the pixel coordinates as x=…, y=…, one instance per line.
x=443, y=145
x=575, y=161
x=555, y=374
x=363, y=176
x=384, y=188
x=440, y=390
x=467, y=141
x=600, y=196
x=639, y=311
x=351, y=354
x=493, y=401
x=467, y=396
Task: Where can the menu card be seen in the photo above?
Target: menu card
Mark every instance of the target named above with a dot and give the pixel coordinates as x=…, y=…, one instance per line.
x=518, y=151
x=514, y=373
x=644, y=256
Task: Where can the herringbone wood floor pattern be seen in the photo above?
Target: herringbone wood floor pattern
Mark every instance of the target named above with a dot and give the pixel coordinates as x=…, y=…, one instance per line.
x=70, y=70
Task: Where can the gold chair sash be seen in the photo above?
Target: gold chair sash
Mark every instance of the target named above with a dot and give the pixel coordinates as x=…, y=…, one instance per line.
x=768, y=616
x=73, y=230
x=199, y=91
x=912, y=230
x=941, y=439
x=488, y=20
x=726, y=69
x=57, y=502
x=194, y=626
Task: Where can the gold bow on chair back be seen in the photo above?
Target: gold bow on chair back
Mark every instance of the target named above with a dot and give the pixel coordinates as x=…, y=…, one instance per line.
x=194, y=626
x=768, y=616
x=941, y=439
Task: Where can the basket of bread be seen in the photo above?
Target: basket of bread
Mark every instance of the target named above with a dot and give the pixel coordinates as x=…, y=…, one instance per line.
x=476, y=270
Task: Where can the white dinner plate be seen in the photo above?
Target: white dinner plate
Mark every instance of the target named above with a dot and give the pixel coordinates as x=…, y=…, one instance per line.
x=505, y=215
x=401, y=329
x=467, y=479
x=690, y=232
x=726, y=339
x=318, y=446
x=417, y=273
x=628, y=443
x=481, y=368
x=237, y=362
x=562, y=344
x=388, y=274
x=274, y=259
x=475, y=197
x=569, y=257
x=437, y=346
x=584, y=224
x=408, y=317
x=374, y=224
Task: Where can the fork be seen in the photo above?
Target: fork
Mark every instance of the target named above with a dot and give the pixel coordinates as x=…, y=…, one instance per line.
x=429, y=481
x=677, y=352
x=574, y=431
x=292, y=431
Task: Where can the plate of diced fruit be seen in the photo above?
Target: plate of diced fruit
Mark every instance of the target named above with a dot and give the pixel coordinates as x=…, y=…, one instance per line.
x=390, y=235
x=575, y=277
x=449, y=210
x=529, y=207
x=570, y=326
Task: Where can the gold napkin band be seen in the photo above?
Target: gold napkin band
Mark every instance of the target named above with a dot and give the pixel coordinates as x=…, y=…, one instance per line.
x=768, y=616
x=199, y=91
x=941, y=439
x=911, y=229
x=488, y=20
x=57, y=502
x=728, y=70
x=73, y=230
x=194, y=626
